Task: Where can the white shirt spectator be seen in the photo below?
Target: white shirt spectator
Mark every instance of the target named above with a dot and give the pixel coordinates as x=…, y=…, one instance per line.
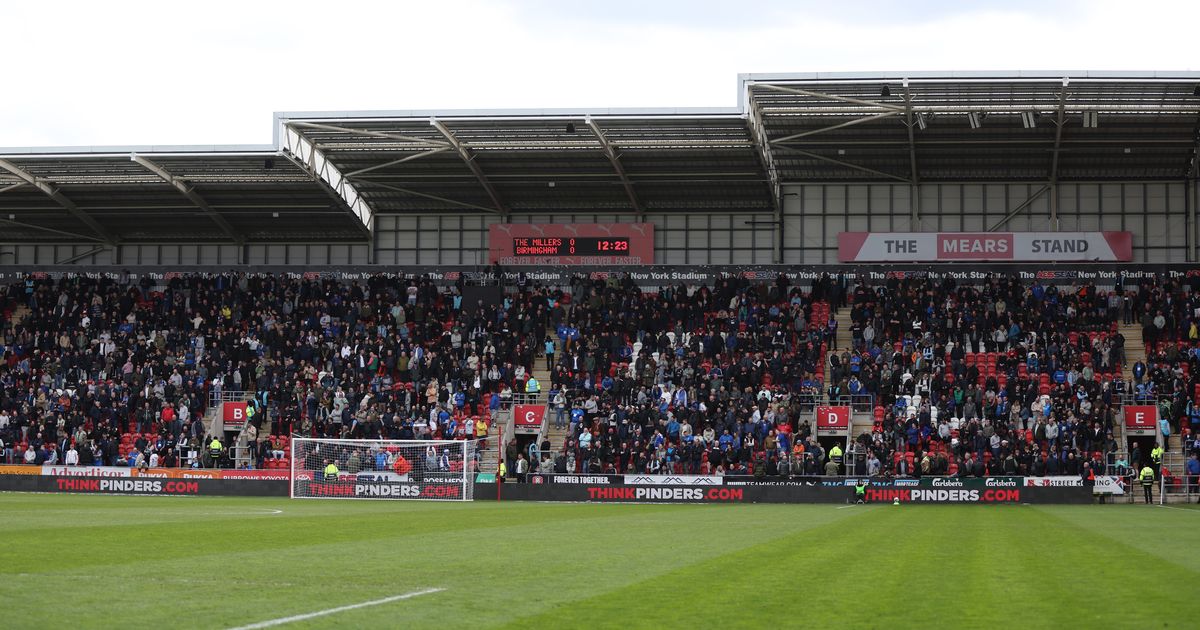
x=72, y=457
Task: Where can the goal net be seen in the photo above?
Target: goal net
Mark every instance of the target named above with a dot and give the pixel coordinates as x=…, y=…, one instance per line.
x=383, y=469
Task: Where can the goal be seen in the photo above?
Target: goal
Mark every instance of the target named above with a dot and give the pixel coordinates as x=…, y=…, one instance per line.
x=384, y=469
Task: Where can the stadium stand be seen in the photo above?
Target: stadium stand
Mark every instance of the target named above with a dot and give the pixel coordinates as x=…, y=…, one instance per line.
x=1002, y=378
x=999, y=373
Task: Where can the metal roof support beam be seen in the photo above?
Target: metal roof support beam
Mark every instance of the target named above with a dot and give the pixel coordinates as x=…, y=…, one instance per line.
x=832, y=97
x=189, y=191
x=52, y=192
x=50, y=230
x=453, y=202
x=1060, y=121
x=300, y=151
x=1015, y=211
x=850, y=165
x=914, y=175
x=71, y=259
x=12, y=187
x=1189, y=213
x=758, y=133
x=611, y=153
x=372, y=134
x=469, y=159
x=395, y=162
x=848, y=123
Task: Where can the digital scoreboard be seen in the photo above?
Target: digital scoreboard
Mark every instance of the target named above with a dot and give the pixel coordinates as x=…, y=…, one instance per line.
x=582, y=246
x=571, y=243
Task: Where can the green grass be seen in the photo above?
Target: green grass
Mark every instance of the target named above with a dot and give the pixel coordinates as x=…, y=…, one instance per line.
x=148, y=562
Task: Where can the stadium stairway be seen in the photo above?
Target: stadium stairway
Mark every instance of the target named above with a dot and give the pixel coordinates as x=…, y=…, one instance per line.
x=19, y=313
x=1135, y=349
x=556, y=436
x=845, y=340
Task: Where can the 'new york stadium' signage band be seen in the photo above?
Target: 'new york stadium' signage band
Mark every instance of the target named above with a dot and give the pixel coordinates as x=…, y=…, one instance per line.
x=987, y=246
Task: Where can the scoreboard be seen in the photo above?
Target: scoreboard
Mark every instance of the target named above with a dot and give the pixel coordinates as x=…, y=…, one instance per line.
x=571, y=243
x=582, y=246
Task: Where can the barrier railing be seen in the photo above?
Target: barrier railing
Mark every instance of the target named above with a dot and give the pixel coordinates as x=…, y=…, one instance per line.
x=1185, y=486
x=229, y=395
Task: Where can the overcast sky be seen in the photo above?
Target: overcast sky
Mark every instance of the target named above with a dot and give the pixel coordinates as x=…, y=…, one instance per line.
x=118, y=73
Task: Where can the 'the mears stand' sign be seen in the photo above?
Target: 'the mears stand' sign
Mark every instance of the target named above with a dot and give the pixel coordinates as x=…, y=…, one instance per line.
x=985, y=247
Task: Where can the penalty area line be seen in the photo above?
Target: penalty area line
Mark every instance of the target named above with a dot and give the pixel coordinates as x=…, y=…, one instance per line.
x=332, y=611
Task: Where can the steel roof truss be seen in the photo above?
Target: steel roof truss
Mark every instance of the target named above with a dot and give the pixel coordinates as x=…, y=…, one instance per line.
x=614, y=159
x=850, y=165
x=302, y=152
x=402, y=160
x=187, y=190
x=841, y=125
x=469, y=159
x=50, y=190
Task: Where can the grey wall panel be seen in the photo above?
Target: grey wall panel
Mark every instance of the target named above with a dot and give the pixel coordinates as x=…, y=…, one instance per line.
x=812, y=214
x=815, y=213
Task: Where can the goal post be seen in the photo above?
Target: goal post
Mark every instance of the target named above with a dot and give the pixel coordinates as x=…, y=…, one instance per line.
x=439, y=470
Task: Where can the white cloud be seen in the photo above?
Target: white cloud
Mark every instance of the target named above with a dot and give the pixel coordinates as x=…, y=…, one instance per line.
x=85, y=73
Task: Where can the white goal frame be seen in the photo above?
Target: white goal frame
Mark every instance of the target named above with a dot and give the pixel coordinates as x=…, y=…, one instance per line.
x=369, y=482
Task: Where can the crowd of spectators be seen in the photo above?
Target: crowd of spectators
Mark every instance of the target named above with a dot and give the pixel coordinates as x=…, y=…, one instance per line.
x=1001, y=376
x=122, y=368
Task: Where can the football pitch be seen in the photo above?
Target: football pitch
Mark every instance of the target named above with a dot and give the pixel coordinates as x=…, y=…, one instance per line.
x=150, y=562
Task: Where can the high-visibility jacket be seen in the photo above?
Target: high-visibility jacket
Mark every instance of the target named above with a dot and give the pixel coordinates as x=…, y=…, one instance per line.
x=1156, y=454
x=331, y=472
x=503, y=471
x=835, y=454
x=214, y=448
x=1147, y=476
x=860, y=489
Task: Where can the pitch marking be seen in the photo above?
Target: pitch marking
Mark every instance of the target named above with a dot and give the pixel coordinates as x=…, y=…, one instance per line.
x=254, y=513
x=331, y=611
x=1171, y=507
